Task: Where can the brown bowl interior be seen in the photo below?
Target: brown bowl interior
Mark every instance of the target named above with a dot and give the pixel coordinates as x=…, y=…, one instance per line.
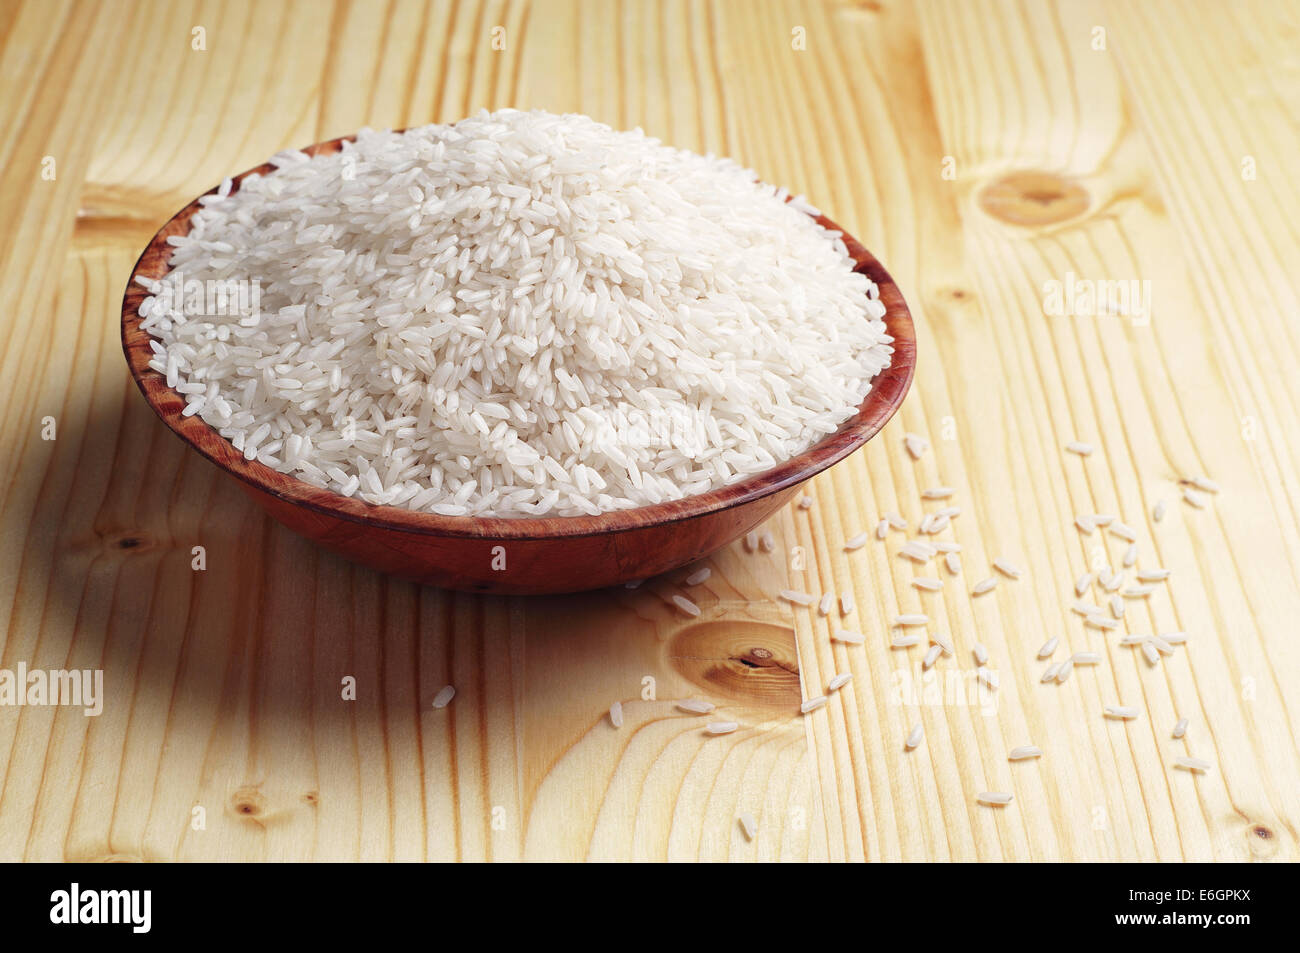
x=543, y=554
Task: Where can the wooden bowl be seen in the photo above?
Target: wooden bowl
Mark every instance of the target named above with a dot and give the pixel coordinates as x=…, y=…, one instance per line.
x=541, y=555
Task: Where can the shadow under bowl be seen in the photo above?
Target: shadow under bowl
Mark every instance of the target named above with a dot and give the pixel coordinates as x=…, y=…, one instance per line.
x=542, y=554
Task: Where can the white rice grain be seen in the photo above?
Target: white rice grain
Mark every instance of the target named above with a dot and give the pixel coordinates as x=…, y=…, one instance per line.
x=914, y=737
x=931, y=656
x=721, y=727
x=812, y=704
x=690, y=608
x=826, y=604
x=1079, y=447
x=1122, y=712
x=839, y=681
x=994, y=798
x=1180, y=727
x=697, y=577
x=1007, y=568
x=748, y=825
x=797, y=597
x=1049, y=647
x=1025, y=753
x=695, y=706
x=928, y=583
x=848, y=637
x=984, y=585
x=444, y=696
x=912, y=618
x=1195, y=765
x=616, y=714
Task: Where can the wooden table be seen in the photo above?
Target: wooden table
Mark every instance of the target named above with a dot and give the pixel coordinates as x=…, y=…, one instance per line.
x=983, y=150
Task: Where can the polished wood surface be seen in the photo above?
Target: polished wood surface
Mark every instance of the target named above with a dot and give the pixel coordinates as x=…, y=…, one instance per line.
x=536, y=556
x=981, y=150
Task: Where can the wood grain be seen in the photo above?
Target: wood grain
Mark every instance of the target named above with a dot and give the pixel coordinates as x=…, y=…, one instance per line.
x=981, y=149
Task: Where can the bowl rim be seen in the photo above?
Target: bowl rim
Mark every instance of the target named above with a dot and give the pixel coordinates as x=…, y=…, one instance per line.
x=888, y=388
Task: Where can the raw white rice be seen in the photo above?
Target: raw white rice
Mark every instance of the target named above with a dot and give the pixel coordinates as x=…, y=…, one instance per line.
x=913, y=618
x=1123, y=531
x=1117, y=607
x=1195, y=765
x=797, y=597
x=953, y=562
x=914, y=736
x=882, y=529
x=616, y=714
x=944, y=546
x=905, y=641
x=1083, y=584
x=1049, y=647
x=1121, y=711
x=766, y=541
x=1195, y=498
x=928, y=583
x=931, y=656
x=1050, y=674
x=1205, y=483
x=944, y=642
x=1174, y=638
x=1079, y=447
x=846, y=603
x=1025, y=753
x=1086, y=658
x=444, y=696
x=1103, y=519
x=839, y=681
x=1063, y=672
x=1085, y=524
x=813, y=704
x=1130, y=555
x=686, y=605
x=937, y=493
x=856, y=541
x=984, y=585
x=695, y=706
x=749, y=826
x=805, y=502
x=1158, y=511
x=988, y=677
x=751, y=541
x=916, y=445
x=1138, y=592
x=848, y=637
x=896, y=521
x=1153, y=575
x=1180, y=727
x=487, y=318
x=697, y=577
x=826, y=604
x=994, y=798
x=1007, y=568
x=721, y=727
x=981, y=653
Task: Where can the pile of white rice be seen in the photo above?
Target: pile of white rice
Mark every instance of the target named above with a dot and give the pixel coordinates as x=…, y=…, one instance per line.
x=516, y=315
